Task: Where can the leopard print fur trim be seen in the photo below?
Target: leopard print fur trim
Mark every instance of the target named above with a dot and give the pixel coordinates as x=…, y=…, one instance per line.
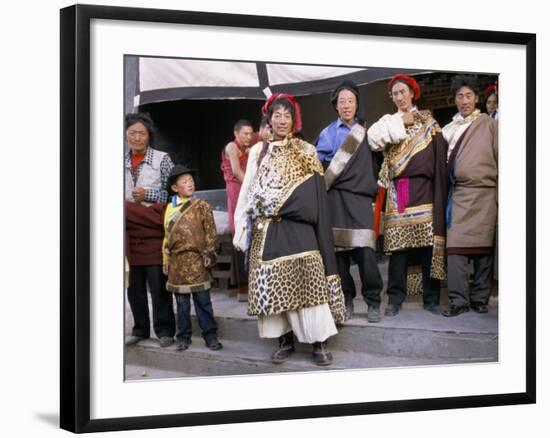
x=438, y=269
x=287, y=283
x=336, y=300
x=408, y=236
x=291, y=283
x=414, y=280
x=288, y=164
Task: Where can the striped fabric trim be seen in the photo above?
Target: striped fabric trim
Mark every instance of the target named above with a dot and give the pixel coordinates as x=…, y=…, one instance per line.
x=188, y=288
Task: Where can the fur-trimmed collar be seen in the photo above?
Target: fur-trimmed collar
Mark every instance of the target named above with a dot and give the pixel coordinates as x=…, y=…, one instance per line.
x=346, y=150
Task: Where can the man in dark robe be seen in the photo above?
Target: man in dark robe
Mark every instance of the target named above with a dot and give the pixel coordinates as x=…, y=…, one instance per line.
x=414, y=177
x=350, y=179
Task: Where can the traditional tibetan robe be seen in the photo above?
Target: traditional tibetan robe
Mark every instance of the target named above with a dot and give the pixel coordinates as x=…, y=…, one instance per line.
x=415, y=178
x=292, y=263
x=351, y=183
x=473, y=206
x=190, y=237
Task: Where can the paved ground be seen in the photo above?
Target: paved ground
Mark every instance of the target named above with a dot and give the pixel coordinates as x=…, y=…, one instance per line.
x=412, y=338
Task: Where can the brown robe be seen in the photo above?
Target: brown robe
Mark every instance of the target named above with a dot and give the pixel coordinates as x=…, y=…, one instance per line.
x=474, y=196
x=191, y=239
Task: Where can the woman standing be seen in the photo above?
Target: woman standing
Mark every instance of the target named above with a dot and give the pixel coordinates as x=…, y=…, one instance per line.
x=281, y=219
x=146, y=175
x=491, y=100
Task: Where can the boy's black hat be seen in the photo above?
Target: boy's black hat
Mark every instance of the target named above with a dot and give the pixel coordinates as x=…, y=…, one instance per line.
x=178, y=170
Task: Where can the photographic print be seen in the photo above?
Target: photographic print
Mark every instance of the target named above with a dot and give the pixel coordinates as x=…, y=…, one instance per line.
x=288, y=218
x=204, y=114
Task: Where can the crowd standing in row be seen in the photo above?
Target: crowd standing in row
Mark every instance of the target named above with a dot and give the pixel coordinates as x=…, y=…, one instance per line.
x=301, y=213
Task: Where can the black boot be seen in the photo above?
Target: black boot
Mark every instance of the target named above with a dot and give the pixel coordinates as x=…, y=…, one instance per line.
x=286, y=346
x=321, y=355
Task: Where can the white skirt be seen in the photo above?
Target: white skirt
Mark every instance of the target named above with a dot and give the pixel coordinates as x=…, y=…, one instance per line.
x=312, y=324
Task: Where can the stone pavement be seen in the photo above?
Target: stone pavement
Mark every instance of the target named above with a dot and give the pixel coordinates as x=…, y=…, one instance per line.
x=412, y=338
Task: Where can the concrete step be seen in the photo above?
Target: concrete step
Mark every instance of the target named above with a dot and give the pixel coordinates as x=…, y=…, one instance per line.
x=147, y=360
x=413, y=333
x=412, y=338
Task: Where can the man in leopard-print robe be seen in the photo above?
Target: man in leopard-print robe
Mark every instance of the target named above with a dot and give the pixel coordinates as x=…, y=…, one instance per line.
x=414, y=176
x=293, y=287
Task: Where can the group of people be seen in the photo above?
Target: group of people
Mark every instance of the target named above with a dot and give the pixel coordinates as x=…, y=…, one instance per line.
x=301, y=213
x=170, y=243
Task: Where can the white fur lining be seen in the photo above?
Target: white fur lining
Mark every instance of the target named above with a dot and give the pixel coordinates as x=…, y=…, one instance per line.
x=344, y=153
x=241, y=211
x=390, y=129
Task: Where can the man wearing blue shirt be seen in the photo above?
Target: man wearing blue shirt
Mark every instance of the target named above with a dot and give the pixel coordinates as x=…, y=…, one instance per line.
x=334, y=134
x=351, y=182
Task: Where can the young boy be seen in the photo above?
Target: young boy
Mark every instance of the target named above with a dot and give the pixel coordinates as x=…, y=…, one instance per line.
x=188, y=252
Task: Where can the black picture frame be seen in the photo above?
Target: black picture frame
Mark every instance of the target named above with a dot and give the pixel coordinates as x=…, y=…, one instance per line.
x=75, y=217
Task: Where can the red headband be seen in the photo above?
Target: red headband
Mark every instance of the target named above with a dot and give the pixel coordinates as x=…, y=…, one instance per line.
x=491, y=89
x=298, y=122
x=411, y=82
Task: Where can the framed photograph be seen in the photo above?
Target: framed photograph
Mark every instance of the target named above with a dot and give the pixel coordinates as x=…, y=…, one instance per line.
x=196, y=74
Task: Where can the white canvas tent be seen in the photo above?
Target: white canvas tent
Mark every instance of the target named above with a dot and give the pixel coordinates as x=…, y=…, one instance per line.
x=195, y=102
x=168, y=79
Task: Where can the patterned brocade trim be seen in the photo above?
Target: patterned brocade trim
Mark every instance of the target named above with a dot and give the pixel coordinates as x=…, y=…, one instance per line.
x=439, y=245
x=418, y=214
x=347, y=238
x=408, y=236
x=188, y=288
x=419, y=137
x=438, y=269
x=336, y=301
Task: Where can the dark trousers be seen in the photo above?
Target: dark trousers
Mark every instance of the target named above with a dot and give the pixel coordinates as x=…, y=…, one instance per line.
x=371, y=280
x=164, y=322
x=397, y=275
x=238, y=264
x=204, y=312
x=458, y=273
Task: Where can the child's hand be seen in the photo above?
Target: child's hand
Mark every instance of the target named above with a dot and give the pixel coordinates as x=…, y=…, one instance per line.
x=165, y=269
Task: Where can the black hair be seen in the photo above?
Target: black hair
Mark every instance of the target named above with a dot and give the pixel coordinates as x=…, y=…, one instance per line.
x=143, y=118
x=281, y=102
x=490, y=94
x=464, y=81
x=241, y=124
x=264, y=121
x=350, y=86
